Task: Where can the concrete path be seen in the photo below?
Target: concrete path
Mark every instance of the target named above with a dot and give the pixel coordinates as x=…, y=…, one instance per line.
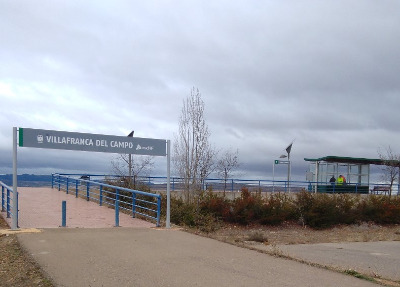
x=143, y=256
x=372, y=258
x=159, y=257
x=41, y=208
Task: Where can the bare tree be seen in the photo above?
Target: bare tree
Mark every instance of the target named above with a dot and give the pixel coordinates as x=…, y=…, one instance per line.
x=391, y=167
x=140, y=166
x=227, y=164
x=193, y=153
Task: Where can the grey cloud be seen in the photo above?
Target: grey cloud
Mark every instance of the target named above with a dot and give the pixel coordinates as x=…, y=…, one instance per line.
x=323, y=73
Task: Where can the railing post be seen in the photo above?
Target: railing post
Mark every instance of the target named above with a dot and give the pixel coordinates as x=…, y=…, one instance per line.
x=116, y=208
x=52, y=180
x=133, y=204
x=2, y=198
x=101, y=195
x=158, y=210
x=87, y=191
x=59, y=182
x=67, y=185
x=64, y=214
x=8, y=203
x=76, y=188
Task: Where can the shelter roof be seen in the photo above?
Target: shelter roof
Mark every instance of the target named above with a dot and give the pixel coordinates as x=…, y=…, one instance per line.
x=351, y=160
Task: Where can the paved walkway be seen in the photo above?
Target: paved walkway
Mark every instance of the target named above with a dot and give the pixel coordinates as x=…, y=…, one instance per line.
x=41, y=208
x=380, y=259
x=99, y=256
x=158, y=257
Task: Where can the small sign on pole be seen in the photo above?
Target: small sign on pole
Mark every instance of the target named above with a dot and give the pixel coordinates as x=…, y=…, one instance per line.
x=281, y=161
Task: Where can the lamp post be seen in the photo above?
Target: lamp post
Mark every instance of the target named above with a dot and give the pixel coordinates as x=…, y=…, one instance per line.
x=130, y=158
x=288, y=150
x=288, y=164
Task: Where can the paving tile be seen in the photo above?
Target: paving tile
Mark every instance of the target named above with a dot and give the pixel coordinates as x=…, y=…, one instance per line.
x=41, y=207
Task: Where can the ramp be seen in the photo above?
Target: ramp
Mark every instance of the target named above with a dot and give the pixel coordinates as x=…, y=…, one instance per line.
x=41, y=207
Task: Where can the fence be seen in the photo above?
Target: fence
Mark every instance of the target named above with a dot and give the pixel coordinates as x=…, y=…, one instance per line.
x=159, y=183
x=6, y=201
x=127, y=200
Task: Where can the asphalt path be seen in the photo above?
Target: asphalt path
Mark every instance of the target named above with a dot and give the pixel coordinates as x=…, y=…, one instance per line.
x=372, y=258
x=160, y=257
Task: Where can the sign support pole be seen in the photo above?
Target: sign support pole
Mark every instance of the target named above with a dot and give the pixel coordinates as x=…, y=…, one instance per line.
x=273, y=177
x=167, y=223
x=14, y=224
x=288, y=173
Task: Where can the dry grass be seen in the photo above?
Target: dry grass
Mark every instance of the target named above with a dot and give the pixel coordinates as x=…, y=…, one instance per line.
x=296, y=234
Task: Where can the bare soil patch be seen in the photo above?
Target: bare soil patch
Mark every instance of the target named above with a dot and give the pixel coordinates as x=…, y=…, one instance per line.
x=290, y=233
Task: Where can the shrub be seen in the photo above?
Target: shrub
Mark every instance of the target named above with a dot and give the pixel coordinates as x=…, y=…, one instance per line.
x=214, y=204
x=277, y=208
x=380, y=209
x=317, y=210
x=321, y=210
x=246, y=209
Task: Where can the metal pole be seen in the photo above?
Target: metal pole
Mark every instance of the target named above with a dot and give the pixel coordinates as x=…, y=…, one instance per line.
x=14, y=224
x=316, y=176
x=288, y=174
x=116, y=208
x=130, y=160
x=130, y=167
x=167, y=220
x=273, y=177
x=64, y=213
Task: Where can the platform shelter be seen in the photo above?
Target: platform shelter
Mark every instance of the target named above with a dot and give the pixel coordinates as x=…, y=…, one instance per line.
x=355, y=170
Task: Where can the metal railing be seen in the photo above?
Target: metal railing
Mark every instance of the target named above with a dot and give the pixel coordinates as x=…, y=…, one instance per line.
x=159, y=184
x=6, y=201
x=130, y=201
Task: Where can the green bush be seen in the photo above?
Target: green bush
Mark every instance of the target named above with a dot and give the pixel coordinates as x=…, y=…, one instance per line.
x=277, y=208
x=246, y=209
x=321, y=210
x=380, y=209
x=212, y=203
x=317, y=210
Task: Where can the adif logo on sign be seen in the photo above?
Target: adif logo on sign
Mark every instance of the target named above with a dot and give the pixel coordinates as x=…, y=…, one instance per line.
x=40, y=139
x=139, y=147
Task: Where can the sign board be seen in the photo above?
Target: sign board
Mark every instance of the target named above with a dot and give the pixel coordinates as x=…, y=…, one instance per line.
x=281, y=161
x=49, y=139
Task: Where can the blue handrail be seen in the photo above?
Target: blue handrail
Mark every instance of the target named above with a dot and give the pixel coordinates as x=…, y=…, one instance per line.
x=112, y=195
x=159, y=183
x=6, y=201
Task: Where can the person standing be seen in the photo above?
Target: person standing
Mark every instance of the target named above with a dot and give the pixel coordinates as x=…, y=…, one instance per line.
x=341, y=180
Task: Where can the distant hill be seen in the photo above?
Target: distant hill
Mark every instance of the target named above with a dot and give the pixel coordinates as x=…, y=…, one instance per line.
x=27, y=180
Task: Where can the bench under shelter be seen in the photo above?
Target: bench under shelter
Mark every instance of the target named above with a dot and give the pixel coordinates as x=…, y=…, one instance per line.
x=355, y=170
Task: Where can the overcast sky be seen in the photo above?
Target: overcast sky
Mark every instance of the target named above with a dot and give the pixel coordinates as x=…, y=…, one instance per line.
x=323, y=73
